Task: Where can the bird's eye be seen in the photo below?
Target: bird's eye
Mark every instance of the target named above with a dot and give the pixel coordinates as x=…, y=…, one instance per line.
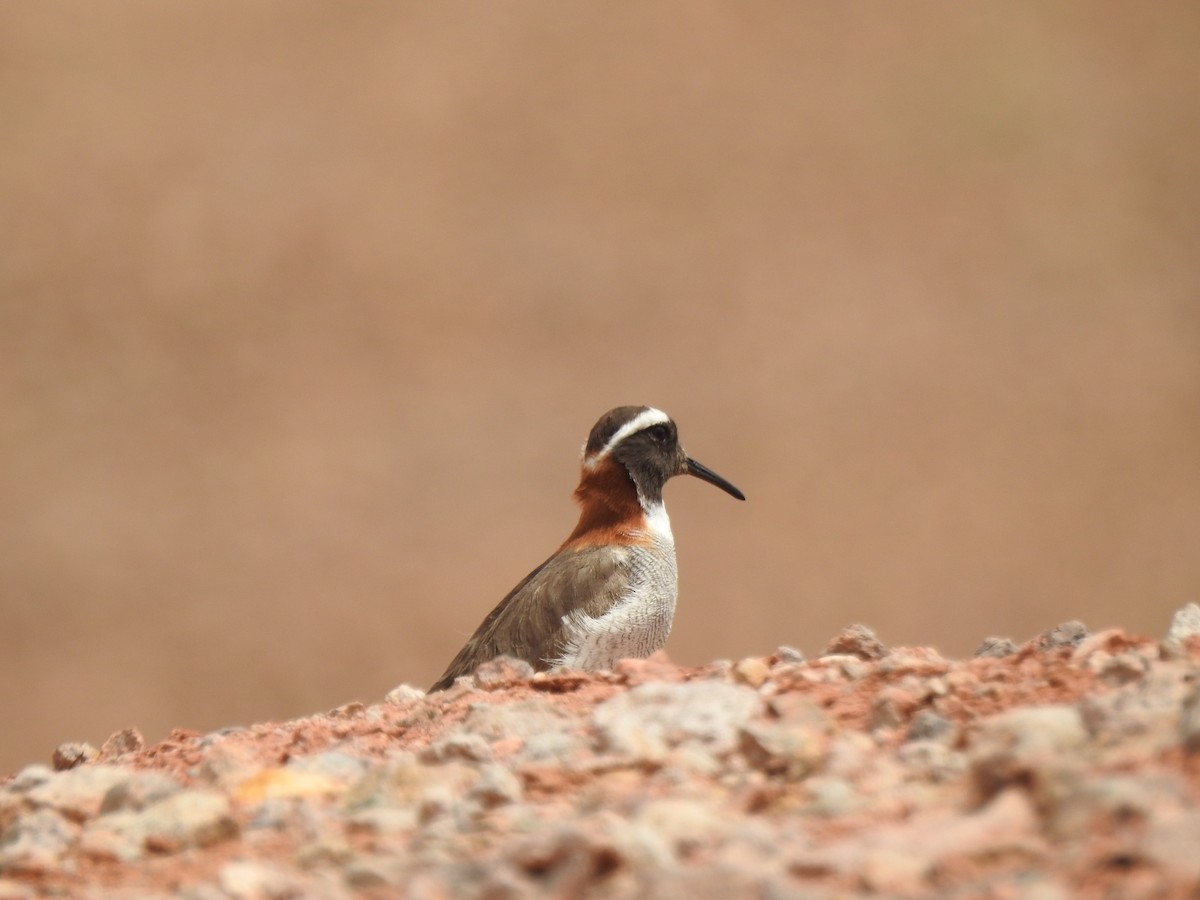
x=660, y=433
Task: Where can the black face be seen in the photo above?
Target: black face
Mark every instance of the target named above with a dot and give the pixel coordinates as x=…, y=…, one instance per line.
x=652, y=456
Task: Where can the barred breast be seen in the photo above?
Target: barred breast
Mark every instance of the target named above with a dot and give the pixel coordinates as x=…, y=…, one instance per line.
x=638, y=623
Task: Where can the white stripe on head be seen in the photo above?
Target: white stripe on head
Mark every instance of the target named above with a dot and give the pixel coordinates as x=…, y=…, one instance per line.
x=644, y=419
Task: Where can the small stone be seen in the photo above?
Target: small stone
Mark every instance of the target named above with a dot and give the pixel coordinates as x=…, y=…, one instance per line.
x=791, y=751
x=1140, y=720
x=227, y=765
x=110, y=846
x=403, y=694
x=522, y=719
x=247, y=880
x=1120, y=669
x=329, y=850
x=995, y=648
x=76, y=753
x=79, y=793
x=127, y=740
x=284, y=783
x=928, y=725
x=458, y=745
x=142, y=789
x=351, y=710
x=932, y=760
x=557, y=746
x=364, y=874
x=1024, y=745
x=832, y=797
x=1184, y=624
x=331, y=764
x=1109, y=803
x=752, y=670
x=36, y=841
x=30, y=777
x=1068, y=634
x=651, y=718
x=794, y=708
x=385, y=819
x=194, y=818
x=843, y=665
x=788, y=656
x=890, y=708
x=857, y=640
x=496, y=786
x=437, y=800
x=501, y=671
x=684, y=825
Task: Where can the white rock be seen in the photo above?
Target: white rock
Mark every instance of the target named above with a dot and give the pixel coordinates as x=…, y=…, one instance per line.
x=1184, y=624
x=649, y=719
x=247, y=880
x=79, y=793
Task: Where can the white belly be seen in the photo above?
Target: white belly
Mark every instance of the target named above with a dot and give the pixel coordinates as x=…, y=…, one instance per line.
x=638, y=624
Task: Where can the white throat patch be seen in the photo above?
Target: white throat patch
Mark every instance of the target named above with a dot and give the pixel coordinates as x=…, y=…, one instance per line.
x=659, y=523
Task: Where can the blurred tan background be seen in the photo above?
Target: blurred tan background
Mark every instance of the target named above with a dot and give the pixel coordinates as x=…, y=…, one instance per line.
x=306, y=309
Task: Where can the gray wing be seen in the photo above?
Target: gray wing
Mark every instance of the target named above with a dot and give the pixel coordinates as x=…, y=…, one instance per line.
x=528, y=624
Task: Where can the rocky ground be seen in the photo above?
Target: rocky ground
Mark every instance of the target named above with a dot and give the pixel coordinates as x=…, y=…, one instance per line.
x=1066, y=767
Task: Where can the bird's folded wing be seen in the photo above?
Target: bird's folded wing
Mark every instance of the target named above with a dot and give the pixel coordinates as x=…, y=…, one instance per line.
x=528, y=623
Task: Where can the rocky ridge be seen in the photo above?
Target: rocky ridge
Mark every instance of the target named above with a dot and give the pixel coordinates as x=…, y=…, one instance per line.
x=1068, y=766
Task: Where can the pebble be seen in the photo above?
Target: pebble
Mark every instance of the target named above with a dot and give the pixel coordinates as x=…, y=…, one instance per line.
x=647, y=720
x=752, y=671
x=195, y=818
x=836, y=666
x=789, y=751
x=683, y=825
x=332, y=764
x=459, y=745
x=79, y=793
x=1184, y=624
x=789, y=656
x=1011, y=747
x=501, y=671
x=928, y=725
x=76, y=753
x=247, y=880
x=495, y=786
x=139, y=790
x=127, y=740
x=1068, y=634
x=36, y=841
x=403, y=695
x=551, y=746
x=890, y=708
x=857, y=640
x=522, y=719
x=29, y=777
x=1140, y=719
x=995, y=648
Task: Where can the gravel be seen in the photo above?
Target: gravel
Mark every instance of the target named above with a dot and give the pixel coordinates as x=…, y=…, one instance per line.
x=1063, y=767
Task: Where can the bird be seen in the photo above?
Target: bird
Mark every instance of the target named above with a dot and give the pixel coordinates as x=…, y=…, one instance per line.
x=609, y=591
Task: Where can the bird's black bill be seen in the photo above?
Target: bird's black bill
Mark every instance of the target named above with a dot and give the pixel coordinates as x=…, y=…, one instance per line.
x=704, y=473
